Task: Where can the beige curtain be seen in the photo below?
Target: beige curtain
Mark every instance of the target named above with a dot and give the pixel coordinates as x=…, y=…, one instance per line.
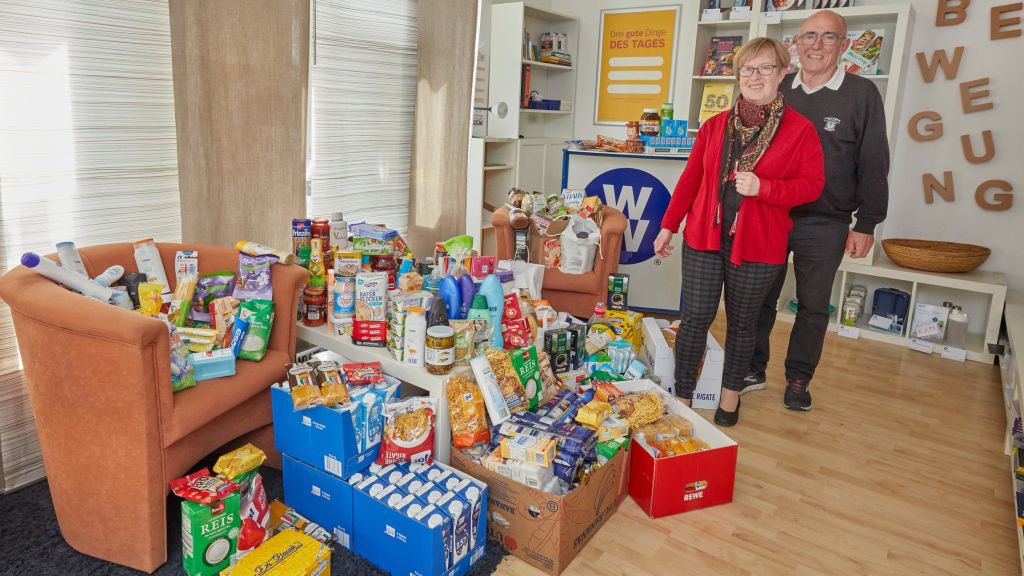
x=87, y=153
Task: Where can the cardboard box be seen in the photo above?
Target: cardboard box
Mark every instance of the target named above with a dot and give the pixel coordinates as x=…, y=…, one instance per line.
x=398, y=544
x=209, y=535
x=661, y=362
x=544, y=530
x=289, y=552
x=320, y=437
x=319, y=496
x=666, y=486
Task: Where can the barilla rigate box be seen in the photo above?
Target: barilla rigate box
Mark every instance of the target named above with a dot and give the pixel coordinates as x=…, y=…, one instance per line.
x=321, y=437
x=544, y=530
x=659, y=357
x=440, y=540
x=321, y=497
x=209, y=535
x=666, y=486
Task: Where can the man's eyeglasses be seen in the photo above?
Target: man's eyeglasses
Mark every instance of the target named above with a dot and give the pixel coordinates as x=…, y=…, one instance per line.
x=828, y=38
x=765, y=70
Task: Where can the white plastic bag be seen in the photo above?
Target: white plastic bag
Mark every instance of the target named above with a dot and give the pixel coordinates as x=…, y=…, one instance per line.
x=580, y=241
x=527, y=276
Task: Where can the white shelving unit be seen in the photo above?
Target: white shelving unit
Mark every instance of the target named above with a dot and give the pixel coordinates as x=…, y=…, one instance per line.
x=980, y=294
x=492, y=171
x=1011, y=364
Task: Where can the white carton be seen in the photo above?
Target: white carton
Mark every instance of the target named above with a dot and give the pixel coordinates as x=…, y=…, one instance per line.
x=660, y=358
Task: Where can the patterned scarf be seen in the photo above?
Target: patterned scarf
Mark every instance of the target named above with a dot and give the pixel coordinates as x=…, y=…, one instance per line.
x=756, y=127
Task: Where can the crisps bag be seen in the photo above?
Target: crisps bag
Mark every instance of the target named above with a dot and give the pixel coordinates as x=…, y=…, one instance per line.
x=182, y=372
x=408, y=431
x=260, y=316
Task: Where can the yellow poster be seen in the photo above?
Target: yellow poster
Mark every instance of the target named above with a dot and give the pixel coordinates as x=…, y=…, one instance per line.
x=636, y=62
x=717, y=97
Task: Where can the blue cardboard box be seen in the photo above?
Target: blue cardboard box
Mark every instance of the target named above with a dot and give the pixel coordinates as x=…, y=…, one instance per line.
x=319, y=496
x=399, y=544
x=320, y=437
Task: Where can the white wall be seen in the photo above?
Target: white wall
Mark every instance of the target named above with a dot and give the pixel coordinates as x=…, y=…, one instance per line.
x=909, y=216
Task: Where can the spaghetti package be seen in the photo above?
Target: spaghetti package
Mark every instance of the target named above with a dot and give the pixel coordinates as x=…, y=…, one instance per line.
x=639, y=408
x=182, y=300
x=466, y=411
x=408, y=431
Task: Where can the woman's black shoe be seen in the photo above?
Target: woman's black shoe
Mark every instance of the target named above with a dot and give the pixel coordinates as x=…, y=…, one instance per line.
x=723, y=418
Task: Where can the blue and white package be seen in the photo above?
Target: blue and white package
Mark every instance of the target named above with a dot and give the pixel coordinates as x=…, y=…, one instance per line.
x=438, y=520
x=473, y=495
x=432, y=495
x=459, y=511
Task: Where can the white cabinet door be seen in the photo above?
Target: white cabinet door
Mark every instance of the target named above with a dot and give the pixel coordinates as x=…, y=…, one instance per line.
x=553, y=168
x=530, y=167
x=475, y=190
x=505, y=70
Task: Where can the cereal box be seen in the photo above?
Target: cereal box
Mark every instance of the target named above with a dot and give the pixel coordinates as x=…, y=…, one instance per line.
x=371, y=296
x=628, y=324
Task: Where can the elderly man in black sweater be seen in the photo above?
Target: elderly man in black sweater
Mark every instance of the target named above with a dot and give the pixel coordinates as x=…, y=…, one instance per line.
x=848, y=112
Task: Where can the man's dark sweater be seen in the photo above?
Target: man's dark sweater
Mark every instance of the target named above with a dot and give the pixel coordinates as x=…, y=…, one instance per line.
x=851, y=124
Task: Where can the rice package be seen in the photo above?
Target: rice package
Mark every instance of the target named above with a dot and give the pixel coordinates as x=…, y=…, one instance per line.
x=182, y=372
x=253, y=281
x=527, y=366
x=210, y=287
x=260, y=316
x=466, y=411
x=408, y=431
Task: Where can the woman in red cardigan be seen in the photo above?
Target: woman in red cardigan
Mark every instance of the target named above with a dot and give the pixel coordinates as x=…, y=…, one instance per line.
x=748, y=167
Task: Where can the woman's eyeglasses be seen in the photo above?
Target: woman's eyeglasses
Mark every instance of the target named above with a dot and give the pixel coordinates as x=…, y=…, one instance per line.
x=828, y=38
x=765, y=70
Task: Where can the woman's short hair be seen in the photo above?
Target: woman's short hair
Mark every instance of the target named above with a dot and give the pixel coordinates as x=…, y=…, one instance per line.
x=760, y=45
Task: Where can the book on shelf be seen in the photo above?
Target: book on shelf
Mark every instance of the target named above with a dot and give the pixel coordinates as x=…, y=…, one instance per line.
x=526, y=86
x=817, y=4
x=717, y=97
x=555, y=57
x=718, y=60
x=862, y=55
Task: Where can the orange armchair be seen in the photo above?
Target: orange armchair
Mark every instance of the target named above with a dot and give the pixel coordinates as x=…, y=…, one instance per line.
x=573, y=293
x=112, y=433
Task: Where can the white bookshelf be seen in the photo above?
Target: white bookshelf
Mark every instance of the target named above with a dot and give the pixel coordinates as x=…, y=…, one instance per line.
x=1012, y=368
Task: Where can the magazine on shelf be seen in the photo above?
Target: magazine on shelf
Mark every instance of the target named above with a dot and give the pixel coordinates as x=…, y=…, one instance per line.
x=721, y=52
x=862, y=55
x=717, y=97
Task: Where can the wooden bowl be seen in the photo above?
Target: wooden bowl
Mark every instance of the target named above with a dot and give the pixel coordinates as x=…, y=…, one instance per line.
x=933, y=256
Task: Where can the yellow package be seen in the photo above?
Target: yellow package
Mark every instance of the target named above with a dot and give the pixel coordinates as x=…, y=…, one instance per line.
x=150, y=299
x=629, y=326
x=239, y=461
x=593, y=414
x=289, y=553
x=181, y=303
x=700, y=445
x=611, y=429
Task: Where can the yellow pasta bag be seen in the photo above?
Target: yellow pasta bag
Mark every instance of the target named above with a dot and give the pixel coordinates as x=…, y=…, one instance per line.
x=466, y=411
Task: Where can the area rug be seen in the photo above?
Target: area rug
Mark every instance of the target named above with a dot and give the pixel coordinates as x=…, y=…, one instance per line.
x=30, y=541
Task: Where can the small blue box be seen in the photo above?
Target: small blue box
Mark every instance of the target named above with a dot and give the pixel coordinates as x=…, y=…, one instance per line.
x=320, y=437
x=681, y=126
x=668, y=128
x=213, y=364
x=319, y=496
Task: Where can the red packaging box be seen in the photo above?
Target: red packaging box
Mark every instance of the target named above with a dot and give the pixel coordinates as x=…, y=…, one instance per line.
x=516, y=333
x=666, y=486
x=511, y=310
x=481, y=266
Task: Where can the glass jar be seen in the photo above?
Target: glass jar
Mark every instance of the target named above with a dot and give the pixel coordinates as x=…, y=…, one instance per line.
x=650, y=122
x=440, y=350
x=315, y=300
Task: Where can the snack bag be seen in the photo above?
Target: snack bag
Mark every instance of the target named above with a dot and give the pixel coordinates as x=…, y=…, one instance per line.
x=202, y=488
x=332, y=384
x=363, y=374
x=459, y=248
x=408, y=432
x=150, y=300
x=182, y=372
x=254, y=277
x=260, y=316
x=466, y=411
x=465, y=336
x=639, y=408
x=508, y=380
x=304, y=391
x=239, y=461
x=222, y=318
x=210, y=287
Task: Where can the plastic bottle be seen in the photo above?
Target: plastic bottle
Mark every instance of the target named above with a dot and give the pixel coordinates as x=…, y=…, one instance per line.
x=110, y=275
x=70, y=259
x=956, y=328
x=415, y=336
x=599, y=331
x=491, y=290
x=77, y=282
x=339, y=233
x=468, y=289
x=452, y=296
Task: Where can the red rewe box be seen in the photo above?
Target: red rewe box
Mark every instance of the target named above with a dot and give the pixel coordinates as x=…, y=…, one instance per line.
x=666, y=486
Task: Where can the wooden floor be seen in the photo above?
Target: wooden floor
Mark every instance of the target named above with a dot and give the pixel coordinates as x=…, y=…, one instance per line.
x=897, y=470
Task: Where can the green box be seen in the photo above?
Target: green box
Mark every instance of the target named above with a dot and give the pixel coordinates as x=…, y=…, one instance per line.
x=208, y=539
x=372, y=246
x=525, y=362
